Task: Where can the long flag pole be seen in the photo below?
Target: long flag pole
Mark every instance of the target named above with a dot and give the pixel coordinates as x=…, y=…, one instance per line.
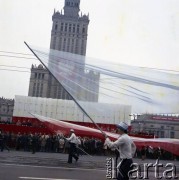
x=104, y=134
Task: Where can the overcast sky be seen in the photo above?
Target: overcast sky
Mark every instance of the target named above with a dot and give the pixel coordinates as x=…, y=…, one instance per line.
x=135, y=32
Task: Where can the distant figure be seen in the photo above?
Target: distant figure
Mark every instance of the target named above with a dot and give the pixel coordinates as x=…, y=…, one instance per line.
x=18, y=123
x=72, y=150
x=143, y=153
x=4, y=141
x=159, y=153
x=34, y=142
x=61, y=144
x=1, y=140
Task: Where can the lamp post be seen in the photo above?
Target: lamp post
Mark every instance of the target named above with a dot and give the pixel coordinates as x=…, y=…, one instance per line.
x=168, y=131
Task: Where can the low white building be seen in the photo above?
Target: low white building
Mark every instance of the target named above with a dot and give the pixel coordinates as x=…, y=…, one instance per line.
x=68, y=110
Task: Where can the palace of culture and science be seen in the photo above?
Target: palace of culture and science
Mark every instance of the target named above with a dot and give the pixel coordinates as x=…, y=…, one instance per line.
x=69, y=34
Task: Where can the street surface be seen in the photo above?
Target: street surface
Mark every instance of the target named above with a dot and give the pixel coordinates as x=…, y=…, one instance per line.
x=18, y=165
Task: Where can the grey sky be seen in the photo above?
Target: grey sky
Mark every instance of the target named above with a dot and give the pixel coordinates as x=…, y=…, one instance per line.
x=142, y=33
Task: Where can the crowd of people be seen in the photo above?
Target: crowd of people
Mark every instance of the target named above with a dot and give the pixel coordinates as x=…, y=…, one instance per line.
x=48, y=143
x=148, y=152
x=56, y=143
x=76, y=146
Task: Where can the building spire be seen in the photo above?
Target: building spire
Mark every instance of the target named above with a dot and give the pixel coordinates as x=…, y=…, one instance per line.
x=72, y=8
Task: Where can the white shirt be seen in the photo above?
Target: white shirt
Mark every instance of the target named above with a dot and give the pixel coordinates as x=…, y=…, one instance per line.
x=124, y=144
x=72, y=138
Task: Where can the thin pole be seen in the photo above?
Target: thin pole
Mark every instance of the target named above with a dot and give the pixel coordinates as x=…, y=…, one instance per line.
x=104, y=134
x=83, y=151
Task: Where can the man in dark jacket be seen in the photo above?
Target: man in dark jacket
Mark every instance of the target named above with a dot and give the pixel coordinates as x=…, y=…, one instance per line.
x=34, y=143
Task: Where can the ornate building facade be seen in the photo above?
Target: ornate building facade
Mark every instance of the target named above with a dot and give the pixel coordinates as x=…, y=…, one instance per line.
x=6, y=110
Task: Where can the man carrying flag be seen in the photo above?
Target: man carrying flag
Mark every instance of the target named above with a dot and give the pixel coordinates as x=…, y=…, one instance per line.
x=126, y=148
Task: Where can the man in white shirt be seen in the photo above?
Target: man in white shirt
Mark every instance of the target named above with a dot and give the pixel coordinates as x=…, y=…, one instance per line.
x=72, y=150
x=126, y=148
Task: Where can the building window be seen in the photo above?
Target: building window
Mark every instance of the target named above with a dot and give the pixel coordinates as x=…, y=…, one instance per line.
x=73, y=28
x=172, y=134
x=78, y=27
x=65, y=27
x=69, y=27
x=56, y=26
x=61, y=26
x=83, y=30
x=39, y=76
x=162, y=134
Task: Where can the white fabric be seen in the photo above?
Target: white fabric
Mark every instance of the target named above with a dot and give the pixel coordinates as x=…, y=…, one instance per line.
x=78, y=141
x=124, y=144
x=103, y=81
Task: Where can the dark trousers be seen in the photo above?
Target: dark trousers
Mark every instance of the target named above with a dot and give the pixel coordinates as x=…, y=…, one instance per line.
x=124, y=168
x=33, y=148
x=116, y=160
x=72, y=153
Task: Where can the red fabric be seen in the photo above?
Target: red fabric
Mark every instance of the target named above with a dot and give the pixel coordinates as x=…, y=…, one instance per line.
x=170, y=145
x=12, y=128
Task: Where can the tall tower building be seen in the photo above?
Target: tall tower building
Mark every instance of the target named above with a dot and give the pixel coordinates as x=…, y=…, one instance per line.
x=69, y=34
x=69, y=30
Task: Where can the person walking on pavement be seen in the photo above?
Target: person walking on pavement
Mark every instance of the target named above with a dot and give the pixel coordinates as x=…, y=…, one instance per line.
x=73, y=149
x=126, y=148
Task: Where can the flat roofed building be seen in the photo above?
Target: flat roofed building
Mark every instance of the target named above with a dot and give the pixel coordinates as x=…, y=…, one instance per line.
x=163, y=126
